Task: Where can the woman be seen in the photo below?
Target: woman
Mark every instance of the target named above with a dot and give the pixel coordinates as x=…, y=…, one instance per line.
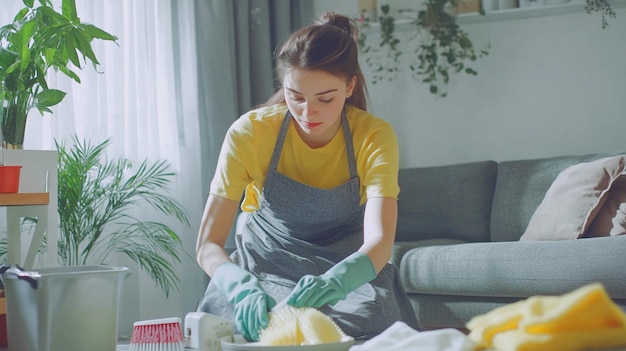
x=319, y=175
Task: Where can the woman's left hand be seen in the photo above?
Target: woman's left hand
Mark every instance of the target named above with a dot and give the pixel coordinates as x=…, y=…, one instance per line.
x=335, y=284
x=316, y=291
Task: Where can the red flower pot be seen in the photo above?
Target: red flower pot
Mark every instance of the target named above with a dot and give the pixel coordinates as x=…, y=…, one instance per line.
x=9, y=179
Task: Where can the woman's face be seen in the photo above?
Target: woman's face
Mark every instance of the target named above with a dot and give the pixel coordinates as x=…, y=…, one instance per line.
x=316, y=99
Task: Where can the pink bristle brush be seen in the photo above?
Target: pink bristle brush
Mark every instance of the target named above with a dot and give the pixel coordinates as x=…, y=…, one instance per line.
x=157, y=335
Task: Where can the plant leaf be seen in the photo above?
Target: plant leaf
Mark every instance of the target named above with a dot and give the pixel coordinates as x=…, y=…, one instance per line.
x=84, y=46
x=68, y=9
x=25, y=34
x=49, y=97
x=20, y=15
x=70, y=73
x=97, y=32
x=70, y=49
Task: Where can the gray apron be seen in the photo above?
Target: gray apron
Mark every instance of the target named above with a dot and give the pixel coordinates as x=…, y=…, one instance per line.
x=298, y=230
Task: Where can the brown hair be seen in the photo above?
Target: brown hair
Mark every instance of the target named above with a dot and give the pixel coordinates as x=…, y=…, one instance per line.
x=330, y=45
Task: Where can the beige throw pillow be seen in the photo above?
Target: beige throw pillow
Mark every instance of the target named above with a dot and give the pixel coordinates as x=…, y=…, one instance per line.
x=574, y=199
x=611, y=219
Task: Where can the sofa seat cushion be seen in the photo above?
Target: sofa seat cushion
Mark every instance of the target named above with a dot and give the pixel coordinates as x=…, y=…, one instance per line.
x=516, y=269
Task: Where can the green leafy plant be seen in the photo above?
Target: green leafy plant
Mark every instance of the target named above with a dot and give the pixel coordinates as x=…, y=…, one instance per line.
x=440, y=47
x=96, y=200
x=38, y=39
x=450, y=51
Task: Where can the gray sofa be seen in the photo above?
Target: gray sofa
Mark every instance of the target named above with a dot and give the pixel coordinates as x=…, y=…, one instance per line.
x=458, y=249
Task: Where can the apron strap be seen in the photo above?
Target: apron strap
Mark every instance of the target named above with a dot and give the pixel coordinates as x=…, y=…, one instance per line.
x=347, y=135
x=278, y=147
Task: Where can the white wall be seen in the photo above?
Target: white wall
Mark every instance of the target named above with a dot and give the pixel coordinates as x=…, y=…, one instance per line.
x=550, y=86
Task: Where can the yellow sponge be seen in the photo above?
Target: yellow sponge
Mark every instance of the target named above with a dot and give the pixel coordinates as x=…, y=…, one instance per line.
x=291, y=326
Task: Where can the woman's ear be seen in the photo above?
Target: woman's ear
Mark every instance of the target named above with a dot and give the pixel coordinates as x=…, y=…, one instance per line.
x=350, y=87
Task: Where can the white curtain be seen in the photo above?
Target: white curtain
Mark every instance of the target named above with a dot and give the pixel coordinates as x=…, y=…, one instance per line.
x=144, y=98
x=180, y=73
x=132, y=97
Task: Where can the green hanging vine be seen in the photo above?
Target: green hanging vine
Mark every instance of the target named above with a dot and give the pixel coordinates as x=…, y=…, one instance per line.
x=440, y=48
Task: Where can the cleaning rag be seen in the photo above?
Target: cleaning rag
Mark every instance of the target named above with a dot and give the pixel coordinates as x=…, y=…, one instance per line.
x=399, y=336
x=584, y=319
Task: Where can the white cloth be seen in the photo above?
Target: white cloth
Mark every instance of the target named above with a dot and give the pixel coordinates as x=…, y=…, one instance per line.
x=400, y=336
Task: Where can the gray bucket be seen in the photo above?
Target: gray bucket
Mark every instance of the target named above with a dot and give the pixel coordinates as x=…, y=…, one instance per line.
x=63, y=308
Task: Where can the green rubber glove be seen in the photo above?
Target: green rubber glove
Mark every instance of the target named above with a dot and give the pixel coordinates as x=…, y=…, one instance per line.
x=334, y=285
x=251, y=302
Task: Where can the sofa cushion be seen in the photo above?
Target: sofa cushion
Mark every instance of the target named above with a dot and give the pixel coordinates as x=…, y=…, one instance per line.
x=574, y=199
x=446, y=202
x=517, y=268
x=520, y=187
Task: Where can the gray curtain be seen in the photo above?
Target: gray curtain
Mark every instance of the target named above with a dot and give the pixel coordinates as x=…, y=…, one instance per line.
x=235, y=43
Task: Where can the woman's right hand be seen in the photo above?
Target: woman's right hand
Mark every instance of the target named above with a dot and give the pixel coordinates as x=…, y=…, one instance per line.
x=251, y=302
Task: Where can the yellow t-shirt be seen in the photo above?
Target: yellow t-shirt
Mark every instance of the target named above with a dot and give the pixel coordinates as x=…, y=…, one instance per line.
x=249, y=143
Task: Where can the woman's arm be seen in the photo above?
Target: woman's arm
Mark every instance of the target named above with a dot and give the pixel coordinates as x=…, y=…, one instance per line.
x=217, y=220
x=381, y=216
x=241, y=288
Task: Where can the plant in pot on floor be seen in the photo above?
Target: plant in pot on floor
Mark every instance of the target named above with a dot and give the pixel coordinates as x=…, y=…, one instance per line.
x=97, y=197
x=40, y=39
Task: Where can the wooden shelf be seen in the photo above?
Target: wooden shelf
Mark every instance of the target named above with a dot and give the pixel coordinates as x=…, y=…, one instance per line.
x=24, y=199
x=531, y=12
x=572, y=6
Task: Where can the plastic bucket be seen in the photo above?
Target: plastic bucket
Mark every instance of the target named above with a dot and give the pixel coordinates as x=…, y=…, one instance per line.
x=9, y=179
x=63, y=308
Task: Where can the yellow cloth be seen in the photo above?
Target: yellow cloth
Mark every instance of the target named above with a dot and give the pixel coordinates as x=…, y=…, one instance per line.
x=584, y=319
x=249, y=143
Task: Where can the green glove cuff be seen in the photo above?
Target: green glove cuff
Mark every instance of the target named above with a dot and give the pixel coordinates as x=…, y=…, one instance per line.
x=233, y=281
x=352, y=272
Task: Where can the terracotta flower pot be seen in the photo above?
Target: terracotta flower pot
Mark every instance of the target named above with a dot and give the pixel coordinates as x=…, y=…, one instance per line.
x=9, y=179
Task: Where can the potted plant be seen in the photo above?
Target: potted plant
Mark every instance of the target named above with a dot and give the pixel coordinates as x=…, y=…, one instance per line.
x=96, y=198
x=440, y=47
x=9, y=176
x=38, y=39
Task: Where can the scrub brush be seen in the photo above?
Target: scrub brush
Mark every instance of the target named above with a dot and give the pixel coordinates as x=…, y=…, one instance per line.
x=290, y=326
x=317, y=328
x=157, y=335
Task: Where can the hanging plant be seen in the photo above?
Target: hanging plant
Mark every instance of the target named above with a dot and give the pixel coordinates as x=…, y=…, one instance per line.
x=383, y=58
x=603, y=7
x=440, y=47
